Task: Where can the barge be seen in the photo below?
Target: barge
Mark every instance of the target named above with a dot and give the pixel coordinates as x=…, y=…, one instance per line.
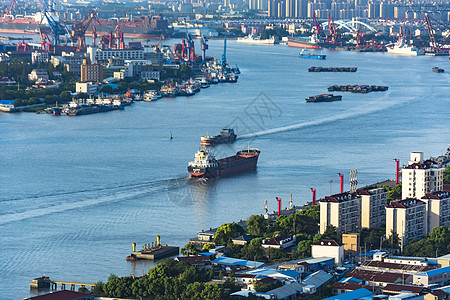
x=323, y=98
x=226, y=135
x=205, y=164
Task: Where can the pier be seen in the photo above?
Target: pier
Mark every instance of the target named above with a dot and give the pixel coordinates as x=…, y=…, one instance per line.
x=72, y=285
x=44, y=282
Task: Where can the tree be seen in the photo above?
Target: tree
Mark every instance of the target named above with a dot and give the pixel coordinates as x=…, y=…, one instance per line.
x=331, y=234
x=394, y=193
x=189, y=249
x=304, y=248
x=65, y=96
x=447, y=175
x=393, y=241
x=263, y=287
x=226, y=232
x=256, y=225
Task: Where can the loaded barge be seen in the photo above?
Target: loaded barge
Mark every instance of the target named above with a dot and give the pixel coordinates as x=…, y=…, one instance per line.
x=332, y=69
x=358, y=88
x=323, y=98
x=205, y=164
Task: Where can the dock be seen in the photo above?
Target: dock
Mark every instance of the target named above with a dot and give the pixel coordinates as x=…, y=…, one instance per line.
x=44, y=282
x=153, y=250
x=158, y=252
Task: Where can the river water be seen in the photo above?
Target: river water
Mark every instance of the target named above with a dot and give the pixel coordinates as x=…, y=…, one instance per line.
x=75, y=192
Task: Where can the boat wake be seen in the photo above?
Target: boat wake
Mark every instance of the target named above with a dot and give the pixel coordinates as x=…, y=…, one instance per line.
x=89, y=198
x=353, y=112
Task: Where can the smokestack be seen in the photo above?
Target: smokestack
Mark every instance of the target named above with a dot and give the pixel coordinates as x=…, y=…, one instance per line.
x=279, y=205
x=397, y=166
x=313, y=196
x=341, y=177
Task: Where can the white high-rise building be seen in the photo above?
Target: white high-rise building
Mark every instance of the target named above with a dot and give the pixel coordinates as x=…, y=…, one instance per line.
x=421, y=177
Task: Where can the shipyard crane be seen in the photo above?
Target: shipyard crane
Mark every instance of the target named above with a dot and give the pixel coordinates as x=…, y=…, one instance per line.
x=79, y=30
x=333, y=36
x=204, y=48
x=435, y=46
x=45, y=40
x=56, y=27
x=189, y=44
x=10, y=7
x=317, y=26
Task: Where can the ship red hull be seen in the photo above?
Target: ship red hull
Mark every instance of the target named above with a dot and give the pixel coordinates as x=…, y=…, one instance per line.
x=303, y=45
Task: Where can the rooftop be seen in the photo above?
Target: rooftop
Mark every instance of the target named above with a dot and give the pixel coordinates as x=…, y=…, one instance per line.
x=332, y=243
x=375, y=264
x=434, y=272
x=356, y=294
x=62, y=295
x=402, y=288
x=406, y=203
x=437, y=195
x=376, y=276
x=223, y=260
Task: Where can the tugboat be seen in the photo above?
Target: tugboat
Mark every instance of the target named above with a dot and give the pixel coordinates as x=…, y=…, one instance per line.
x=226, y=135
x=324, y=98
x=205, y=164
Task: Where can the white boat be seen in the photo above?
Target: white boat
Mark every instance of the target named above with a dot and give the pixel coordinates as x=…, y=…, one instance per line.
x=402, y=48
x=253, y=39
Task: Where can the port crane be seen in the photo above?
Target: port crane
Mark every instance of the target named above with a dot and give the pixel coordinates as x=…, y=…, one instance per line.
x=11, y=6
x=55, y=26
x=45, y=40
x=79, y=30
x=434, y=45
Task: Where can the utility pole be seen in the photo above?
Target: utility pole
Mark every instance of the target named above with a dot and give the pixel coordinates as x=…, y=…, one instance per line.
x=330, y=181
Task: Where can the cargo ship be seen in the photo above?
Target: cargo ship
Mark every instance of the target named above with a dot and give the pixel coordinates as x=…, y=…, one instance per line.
x=306, y=54
x=252, y=39
x=226, y=135
x=309, y=43
x=205, y=164
x=324, y=98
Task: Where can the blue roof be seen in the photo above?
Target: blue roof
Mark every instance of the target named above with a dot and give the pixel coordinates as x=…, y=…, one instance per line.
x=207, y=253
x=434, y=272
x=7, y=102
x=290, y=273
x=354, y=279
x=356, y=294
x=223, y=260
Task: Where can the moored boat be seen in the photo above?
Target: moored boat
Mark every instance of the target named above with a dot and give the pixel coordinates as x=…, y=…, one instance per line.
x=308, y=43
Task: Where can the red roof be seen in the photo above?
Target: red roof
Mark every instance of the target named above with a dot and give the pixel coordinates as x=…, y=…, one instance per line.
x=406, y=203
x=401, y=288
x=63, y=295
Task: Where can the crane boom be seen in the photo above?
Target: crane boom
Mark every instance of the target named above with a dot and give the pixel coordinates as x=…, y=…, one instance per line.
x=433, y=43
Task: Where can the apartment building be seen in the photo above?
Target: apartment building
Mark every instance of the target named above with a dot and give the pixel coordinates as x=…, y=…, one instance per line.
x=406, y=218
x=91, y=72
x=103, y=55
x=342, y=211
x=373, y=203
x=351, y=212
x=421, y=177
x=437, y=209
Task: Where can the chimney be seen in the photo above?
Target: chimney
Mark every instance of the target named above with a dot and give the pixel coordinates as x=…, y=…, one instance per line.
x=279, y=205
x=313, y=196
x=341, y=178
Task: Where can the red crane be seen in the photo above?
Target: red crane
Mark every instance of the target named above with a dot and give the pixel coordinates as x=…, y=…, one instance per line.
x=10, y=7
x=434, y=45
x=317, y=26
x=79, y=30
